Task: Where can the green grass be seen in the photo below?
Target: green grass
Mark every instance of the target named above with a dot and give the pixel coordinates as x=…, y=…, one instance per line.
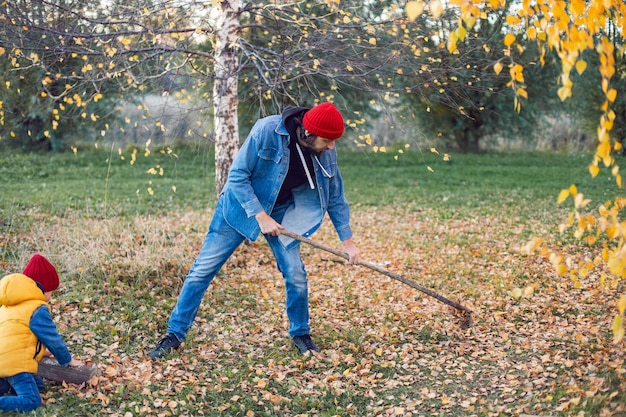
x=102, y=183
x=489, y=182
x=105, y=183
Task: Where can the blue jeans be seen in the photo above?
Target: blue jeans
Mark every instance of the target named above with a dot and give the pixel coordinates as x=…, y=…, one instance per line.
x=219, y=244
x=27, y=396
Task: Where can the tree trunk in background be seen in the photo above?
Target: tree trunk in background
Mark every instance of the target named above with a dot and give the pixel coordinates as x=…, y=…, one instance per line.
x=225, y=91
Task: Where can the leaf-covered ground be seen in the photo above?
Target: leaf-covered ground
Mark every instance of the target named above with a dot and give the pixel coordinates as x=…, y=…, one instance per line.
x=536, y=346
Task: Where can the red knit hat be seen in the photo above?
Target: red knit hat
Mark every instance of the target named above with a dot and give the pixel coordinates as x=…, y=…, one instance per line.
x=40, y=270
x=324, y=120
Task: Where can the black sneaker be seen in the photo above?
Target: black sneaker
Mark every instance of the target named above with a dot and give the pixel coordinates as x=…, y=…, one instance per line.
x=305, y=344
x=165, y=346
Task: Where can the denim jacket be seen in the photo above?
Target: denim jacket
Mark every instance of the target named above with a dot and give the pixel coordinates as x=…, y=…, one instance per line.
x=258, y=172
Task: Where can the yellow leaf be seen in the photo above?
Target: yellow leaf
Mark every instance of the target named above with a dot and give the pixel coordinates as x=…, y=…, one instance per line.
x=621, y=304
x=594, y=170
x=619, y=335
x=581, y=66
x=516, y=293
x=469, y=21
x=611, y=95
x=509, y=39
x=513, y=20
x=618, y=328
x=436, y=8
x=528, y=291
x=573, y=190
x=414, y=9
x=452, y=42
x=497, y=67
x=517, y=73
x=563, y=196
x=372, y=41
x=591, y=240
x=578, y=7
x=564, y=93
x=461, y=32
x=379, y=352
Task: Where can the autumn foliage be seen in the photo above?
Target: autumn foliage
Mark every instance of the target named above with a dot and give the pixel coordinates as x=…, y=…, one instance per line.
x=568, y=28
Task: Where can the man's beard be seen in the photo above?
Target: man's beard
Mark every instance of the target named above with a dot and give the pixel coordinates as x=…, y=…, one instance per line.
x=307, y=148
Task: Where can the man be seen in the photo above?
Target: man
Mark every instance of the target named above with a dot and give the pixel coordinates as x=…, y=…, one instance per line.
x=285, y=176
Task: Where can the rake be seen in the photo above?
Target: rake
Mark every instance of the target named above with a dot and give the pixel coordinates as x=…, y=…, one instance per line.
x=466, y=313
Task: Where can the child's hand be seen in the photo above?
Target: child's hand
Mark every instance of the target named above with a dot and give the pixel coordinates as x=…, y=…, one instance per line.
x=76, y=362
x=48, y=354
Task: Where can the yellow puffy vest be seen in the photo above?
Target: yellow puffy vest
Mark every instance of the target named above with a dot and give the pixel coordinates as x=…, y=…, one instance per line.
x=20, y=350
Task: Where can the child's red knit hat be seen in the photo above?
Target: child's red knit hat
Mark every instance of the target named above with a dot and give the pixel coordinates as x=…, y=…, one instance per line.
x=324, y=120
x=40, y=270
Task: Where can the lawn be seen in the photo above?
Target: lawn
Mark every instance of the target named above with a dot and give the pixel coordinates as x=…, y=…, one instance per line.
x=123, y=237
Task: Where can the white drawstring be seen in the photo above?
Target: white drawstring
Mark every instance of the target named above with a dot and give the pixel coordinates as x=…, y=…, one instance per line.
x=306, y=168
x=323, y=170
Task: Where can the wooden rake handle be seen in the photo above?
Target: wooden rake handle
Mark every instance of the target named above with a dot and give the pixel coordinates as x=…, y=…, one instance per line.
x=466, y=311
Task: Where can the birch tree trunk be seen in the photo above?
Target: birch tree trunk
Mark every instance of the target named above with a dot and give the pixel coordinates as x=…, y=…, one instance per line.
x=225, y=97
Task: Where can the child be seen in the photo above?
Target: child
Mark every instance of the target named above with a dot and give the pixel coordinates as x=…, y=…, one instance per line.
x=27, y=332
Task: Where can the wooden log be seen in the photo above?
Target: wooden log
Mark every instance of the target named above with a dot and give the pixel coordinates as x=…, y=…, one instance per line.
x=51, y=370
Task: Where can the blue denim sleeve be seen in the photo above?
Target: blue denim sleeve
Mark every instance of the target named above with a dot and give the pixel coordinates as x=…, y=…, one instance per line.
x=43, y=327
x=240, y=174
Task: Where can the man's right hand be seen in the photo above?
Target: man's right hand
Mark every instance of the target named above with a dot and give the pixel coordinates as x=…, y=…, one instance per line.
x=268, y=225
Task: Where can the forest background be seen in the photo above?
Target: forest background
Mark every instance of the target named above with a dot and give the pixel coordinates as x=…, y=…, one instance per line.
x=157, y=92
